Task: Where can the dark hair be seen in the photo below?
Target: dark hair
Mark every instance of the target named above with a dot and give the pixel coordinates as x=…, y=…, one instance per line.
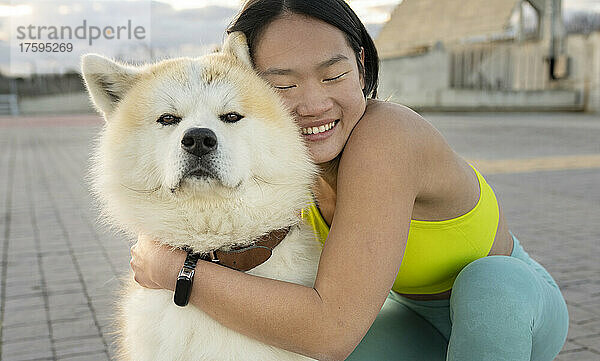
x=257, y=14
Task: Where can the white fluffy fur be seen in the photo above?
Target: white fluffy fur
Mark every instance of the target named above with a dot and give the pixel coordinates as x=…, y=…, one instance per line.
x=264, y=178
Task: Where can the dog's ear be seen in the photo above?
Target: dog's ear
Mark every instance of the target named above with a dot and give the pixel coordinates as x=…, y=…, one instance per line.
x=106, y=80
x=237, y=45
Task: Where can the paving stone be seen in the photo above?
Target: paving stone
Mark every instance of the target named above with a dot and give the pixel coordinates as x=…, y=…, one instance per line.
x=23, y=289
x=73, y=328
x=593, y=325
x=581, y=331
x=582, y=355
x=72, y=346
x=67, y=299
x=592, y=342
x=21, y=332
x=24, y=317
x=64, y=286
x=570, y=346
x=27, y=349
x=578, y=314
x=99, y=356
x=78, y=311
x=12, y=305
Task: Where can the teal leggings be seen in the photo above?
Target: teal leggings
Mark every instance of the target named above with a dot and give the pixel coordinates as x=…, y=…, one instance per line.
x=501, y=308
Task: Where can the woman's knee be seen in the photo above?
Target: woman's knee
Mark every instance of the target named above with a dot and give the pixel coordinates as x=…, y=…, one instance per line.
x=498, y=279
x=496, y=272
x=502, y=297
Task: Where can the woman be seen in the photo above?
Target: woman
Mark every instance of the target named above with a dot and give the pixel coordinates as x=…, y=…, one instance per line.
x=408, y=223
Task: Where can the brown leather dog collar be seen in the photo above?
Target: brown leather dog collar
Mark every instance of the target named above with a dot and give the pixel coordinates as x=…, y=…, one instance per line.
x=247, y=257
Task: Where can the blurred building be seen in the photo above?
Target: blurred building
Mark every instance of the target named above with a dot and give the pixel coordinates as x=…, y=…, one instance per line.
x=436, y=55
x=477, y=54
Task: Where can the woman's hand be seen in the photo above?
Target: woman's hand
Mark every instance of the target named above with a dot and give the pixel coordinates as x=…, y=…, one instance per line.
x=154, y=264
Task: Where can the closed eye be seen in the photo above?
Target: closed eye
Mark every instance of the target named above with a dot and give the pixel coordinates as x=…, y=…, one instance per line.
x=337, y=77
x=284, y=87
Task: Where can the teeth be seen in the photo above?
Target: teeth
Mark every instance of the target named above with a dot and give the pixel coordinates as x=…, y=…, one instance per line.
x=316, y=130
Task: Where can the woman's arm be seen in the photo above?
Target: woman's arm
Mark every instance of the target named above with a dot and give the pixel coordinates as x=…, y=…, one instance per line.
x=275, y=312
x=378, y=181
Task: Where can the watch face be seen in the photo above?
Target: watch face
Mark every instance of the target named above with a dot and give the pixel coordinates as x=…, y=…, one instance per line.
x=183, y=289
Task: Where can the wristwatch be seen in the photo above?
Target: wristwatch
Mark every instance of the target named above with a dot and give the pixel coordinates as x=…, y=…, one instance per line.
x=183, y=287
x=185, y=279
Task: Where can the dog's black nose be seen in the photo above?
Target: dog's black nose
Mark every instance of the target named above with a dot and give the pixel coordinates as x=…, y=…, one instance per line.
x=199, y=141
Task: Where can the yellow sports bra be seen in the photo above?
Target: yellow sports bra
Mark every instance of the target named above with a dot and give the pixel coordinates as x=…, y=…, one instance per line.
x=436, y=251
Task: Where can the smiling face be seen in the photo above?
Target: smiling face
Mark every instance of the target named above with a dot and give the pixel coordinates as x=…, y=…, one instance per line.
x=315, y=71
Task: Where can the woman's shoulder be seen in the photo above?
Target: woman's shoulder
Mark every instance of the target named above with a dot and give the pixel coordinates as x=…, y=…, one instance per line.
x=400, y=128
x=386, y=140
x=384, y=115
x=401, y=137
x=383, y=107
x=392, y=111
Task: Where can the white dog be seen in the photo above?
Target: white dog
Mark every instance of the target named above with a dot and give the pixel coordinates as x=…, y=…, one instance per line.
x=198, y=152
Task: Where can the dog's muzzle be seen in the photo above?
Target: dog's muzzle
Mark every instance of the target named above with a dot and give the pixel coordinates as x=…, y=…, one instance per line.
x=200, y=144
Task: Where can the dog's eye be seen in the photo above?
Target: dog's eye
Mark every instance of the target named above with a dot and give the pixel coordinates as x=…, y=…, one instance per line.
x=168, y=119
x=231, y=117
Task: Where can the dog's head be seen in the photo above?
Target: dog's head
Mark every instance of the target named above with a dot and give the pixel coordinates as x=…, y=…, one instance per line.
x=189, y=137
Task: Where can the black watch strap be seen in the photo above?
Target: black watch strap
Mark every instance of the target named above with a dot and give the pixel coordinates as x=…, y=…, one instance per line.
x=183, y=287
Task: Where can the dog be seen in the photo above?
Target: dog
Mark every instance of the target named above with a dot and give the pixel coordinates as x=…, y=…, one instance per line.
x=198, y=153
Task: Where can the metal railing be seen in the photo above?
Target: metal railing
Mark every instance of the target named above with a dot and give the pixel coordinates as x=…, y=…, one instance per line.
x=498, y=66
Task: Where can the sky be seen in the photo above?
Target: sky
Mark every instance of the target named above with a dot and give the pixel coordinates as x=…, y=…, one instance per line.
x=370, y=11
x=175, y=27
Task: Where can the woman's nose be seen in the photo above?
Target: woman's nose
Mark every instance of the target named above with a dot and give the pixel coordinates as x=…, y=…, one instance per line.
x=313, y=102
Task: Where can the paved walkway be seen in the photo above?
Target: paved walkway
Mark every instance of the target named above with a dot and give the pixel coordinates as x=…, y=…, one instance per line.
x=59, y=269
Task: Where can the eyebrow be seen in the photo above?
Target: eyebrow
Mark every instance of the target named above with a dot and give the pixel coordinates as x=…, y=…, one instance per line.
x=327, y=63
x=335, y=59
